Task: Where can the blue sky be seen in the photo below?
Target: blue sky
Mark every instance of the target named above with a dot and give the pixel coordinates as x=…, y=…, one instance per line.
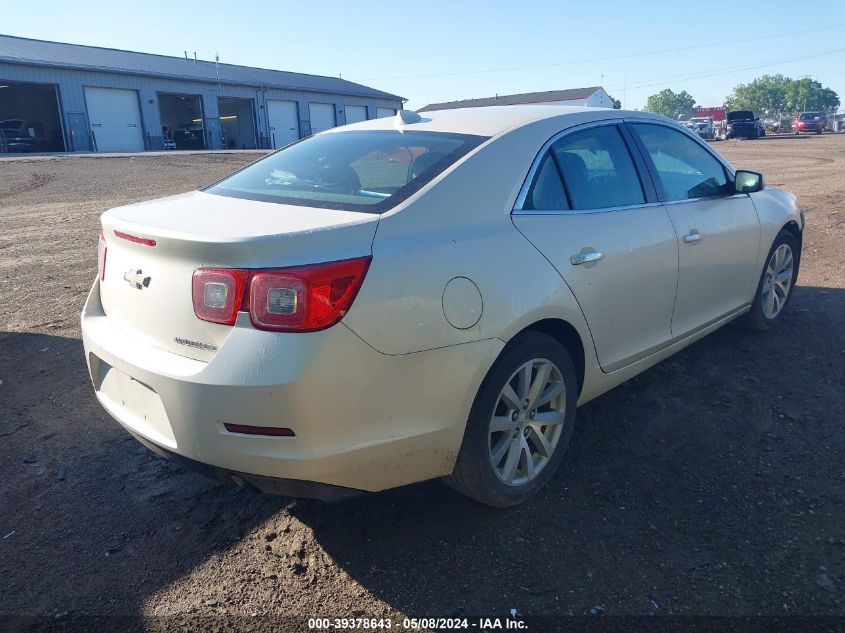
x=434, y=50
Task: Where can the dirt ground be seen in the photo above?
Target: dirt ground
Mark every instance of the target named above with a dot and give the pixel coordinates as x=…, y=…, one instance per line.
x=712, y=484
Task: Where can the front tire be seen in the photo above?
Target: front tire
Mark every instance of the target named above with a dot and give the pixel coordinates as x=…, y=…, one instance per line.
x=520, y=423
x=776, y=284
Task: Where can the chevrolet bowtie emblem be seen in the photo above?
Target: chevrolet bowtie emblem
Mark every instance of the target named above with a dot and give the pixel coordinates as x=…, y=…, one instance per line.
x=136, y=279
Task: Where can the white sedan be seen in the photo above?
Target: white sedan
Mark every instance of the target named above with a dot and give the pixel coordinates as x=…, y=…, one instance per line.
x=419, y=297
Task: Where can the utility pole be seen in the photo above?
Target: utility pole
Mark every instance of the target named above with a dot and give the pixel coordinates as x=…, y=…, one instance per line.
x=810, y=77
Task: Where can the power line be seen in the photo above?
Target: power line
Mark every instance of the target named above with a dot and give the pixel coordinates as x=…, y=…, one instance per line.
x=610, y=58
x=715, y=73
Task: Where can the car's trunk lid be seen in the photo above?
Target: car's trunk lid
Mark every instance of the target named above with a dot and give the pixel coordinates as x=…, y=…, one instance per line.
x=147, y=288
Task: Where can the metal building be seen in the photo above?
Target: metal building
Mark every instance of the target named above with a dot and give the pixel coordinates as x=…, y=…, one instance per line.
x=594, y=97
x=63, y=97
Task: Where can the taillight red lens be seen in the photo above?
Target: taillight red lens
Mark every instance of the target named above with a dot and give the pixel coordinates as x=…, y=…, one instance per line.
x=305, y=298
x=102, y=251
x=218, y=294
x=297, y=299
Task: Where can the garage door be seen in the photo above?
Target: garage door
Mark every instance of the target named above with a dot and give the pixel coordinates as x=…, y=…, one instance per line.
x=284, y=122
x=356, y=113
x=115, y=119
x=322, y=117
x=383, y=112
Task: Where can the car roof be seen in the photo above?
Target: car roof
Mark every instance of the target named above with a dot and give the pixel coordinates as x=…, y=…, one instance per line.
x=491, y=120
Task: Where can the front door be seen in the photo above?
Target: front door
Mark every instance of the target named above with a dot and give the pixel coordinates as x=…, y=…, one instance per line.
x=718, y=230
x=588, y=212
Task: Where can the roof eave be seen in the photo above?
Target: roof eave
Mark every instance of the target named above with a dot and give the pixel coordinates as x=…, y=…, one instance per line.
x=122, y=71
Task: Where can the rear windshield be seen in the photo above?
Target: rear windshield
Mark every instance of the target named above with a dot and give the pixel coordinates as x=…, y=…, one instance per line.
x=740, y=115
x=810, y=116
x=366, y=170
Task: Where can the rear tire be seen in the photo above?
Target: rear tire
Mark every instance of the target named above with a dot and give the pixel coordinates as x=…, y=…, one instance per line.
x=511, y=449
x=775, y=286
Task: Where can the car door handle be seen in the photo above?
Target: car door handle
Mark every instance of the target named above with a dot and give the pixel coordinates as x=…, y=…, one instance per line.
x=692, y=238
x=586, y=258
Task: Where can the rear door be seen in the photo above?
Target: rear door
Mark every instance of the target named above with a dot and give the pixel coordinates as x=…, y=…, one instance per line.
x=587, y=208
x=718, y=230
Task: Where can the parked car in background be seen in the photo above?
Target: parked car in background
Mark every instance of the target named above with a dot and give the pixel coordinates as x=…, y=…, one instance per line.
x=703, y=126
x=810, y=122
x=17, y=135
x=189, y=137
x=781, y=125
x=743, y=124
x=408, y=298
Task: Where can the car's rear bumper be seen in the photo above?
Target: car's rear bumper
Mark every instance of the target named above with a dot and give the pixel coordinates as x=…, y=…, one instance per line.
x=742, y=132
x=363, y=420
x=269, y=485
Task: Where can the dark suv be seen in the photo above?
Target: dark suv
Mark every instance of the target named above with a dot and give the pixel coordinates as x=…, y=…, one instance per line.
x=810, y=122
x=743, y=124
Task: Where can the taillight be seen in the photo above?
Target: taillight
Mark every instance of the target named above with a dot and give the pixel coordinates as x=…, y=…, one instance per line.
x=102, y=251
x=218, y=294
x=305, y=298
x=296, y=299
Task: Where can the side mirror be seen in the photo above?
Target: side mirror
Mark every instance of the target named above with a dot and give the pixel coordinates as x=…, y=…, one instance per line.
x=748, y=181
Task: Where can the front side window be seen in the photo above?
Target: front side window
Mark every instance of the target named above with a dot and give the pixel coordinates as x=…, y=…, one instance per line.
x=685, y=169
x=367, y=170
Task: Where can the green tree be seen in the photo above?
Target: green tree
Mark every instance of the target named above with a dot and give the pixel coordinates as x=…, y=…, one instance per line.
x=671, y=104
x=775, y=95
x=617, y=104
x=808, y=94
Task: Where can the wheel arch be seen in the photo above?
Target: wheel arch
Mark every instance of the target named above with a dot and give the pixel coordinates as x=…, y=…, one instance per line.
x=566, y=334
x=792, y=227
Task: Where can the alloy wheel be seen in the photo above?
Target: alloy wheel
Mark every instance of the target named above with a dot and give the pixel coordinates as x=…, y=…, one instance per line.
x=527, y=422
x=777, y=281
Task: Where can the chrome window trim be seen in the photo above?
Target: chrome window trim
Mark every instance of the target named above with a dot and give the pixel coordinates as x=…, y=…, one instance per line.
x=725, y=197
x=586, y=211
x=535, y=165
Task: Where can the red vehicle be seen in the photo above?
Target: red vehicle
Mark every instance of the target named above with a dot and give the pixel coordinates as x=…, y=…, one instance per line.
x=810, y=122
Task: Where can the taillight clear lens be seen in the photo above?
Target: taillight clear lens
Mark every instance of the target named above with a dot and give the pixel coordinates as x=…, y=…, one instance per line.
x=102, y=251
x=305, y=298
x=218, y=294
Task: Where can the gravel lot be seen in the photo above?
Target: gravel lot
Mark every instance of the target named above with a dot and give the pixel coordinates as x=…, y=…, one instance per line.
x=712, y=484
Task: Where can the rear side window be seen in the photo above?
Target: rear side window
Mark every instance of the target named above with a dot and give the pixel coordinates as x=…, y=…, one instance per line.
x=366, y=170
x=546, y=192
x=685, y=169
x=597, y=169
x=591, y=169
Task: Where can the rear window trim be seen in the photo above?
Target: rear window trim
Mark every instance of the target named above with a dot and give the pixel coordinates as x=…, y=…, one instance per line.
x=640, y=168
x=472, y=142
